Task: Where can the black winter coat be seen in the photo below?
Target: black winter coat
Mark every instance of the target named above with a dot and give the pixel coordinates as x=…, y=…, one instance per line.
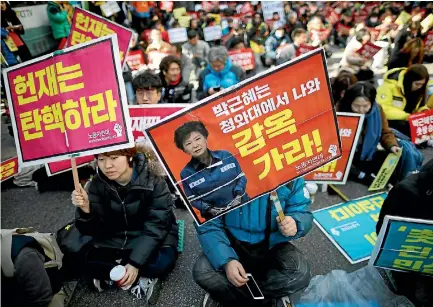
x=137, y=217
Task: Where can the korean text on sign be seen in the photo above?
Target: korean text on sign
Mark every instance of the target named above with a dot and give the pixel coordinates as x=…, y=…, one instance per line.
x=421, y=126
x=55, y=100
x=8, y=168
x=265, y=124
x=87, y=26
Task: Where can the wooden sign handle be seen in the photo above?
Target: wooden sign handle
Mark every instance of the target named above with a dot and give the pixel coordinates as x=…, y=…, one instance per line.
x=75, y=175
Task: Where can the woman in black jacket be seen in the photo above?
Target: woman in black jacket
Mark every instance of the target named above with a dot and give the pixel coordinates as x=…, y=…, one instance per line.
x=128, y=212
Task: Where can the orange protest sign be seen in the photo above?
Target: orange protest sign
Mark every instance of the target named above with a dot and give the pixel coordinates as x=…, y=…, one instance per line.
x=337, y=171
x=8, y=168
x=243, y=58
x=246, y=141
x=304, y=49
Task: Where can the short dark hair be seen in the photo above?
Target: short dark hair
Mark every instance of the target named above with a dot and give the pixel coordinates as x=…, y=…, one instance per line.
x=147, y=80
x=191, y=34
x=297, y=32
x=186, y=129
x=167, y=61
x=361, y=89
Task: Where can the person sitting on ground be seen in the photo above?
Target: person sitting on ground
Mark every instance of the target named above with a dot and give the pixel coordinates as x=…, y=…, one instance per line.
x=127, y=209
x=341, y=83
x=340, y=38
x=360, y=98
x=412, y=198
x=315, y=26
x=220, y=73
x=147, y=87
x=411, y=53
x=277, y=39
x=174, y=89
x=157, y=44
x=407, y=32
x=402, y=94
x=288, y=52
x=253, y=239
x=197, y=50
x=257, y=31
x=293, y=23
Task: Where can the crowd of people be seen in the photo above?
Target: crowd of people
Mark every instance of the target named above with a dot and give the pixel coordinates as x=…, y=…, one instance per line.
x=127, y=208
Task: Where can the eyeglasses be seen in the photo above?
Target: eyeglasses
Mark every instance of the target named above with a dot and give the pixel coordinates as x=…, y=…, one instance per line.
x=144, y=92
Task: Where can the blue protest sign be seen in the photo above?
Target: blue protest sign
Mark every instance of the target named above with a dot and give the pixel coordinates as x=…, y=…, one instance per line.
x=405, y=244
x=351, y=226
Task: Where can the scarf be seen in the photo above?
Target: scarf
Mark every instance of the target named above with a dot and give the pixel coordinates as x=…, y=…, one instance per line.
x=373, y=133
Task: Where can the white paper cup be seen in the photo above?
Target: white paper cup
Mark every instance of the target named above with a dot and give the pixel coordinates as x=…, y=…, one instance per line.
x=116, y=275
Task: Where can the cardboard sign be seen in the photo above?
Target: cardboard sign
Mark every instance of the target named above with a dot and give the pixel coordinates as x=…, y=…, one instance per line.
x=320, y=35
x=337, y=171
x=304, y=49
x=212, y=33
x=260, y=132
x=374, y=33
x=351, y=226
x=54, y=168
x=8, y=168
x=332, y=17
x=243, y=58
x=154, y=58
x=403, y=18
x=342, y=29
x=110, y=8
x=87, y=26
x=145, y=116
x=404, y=244
x=385, y=171
x=135, y=59
x=75, y=101
x=177, y=35
x=271, y=7
x=368, y=50
x=421, y=126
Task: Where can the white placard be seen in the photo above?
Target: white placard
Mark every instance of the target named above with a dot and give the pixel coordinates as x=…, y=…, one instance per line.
x=177, y=35
x=110, y=8
x=212, y=33
x=270, y=7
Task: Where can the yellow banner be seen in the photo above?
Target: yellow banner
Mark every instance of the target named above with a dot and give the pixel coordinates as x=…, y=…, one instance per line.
x=385, y=171
x=181, y=11
x=11, y=44
x=427, y=22
x=403, y=18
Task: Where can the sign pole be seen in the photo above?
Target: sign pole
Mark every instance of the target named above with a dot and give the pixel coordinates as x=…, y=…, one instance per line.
x=344, y=197
x=75, y=175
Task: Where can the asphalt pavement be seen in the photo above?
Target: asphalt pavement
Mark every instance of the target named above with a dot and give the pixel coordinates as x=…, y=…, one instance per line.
x=47, y=212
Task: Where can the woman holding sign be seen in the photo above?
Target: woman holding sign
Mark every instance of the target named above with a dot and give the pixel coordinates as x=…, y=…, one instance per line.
x=213, y=181
x=127, y=209
x=360, y=98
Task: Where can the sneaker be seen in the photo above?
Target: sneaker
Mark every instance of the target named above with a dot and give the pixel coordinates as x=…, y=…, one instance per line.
x=283, y=302
x=147, y=288
x=208, y=301
x=101, y=285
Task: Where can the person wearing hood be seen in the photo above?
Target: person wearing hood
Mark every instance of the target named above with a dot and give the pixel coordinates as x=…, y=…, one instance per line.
x=277, y=39
x=402, y=94
x=60, y=24
x=127, y=209
x=412, y=198
x=360, y=98
x=174, y=88
x=220, y=73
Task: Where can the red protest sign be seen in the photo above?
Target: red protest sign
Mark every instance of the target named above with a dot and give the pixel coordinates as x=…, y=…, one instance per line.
x=337, y=171
x=135, y=59
x=304, y=49
x=332, y=16
x=421, y=126
x=166, y=6
x=243, y=58
x=86, y=26
x=342, y=29
x=8, y=168
x=54, y=168
x=74, y=101
x=246, y=9
x=145, y=116
x=428, y=41
x=320, y=35
x=260, y=132
x=374, y=33
x=368, y=50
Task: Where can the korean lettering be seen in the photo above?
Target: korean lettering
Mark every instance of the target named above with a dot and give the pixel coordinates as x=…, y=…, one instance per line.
x=31, y=124
x=311, y=85
x=22, y=85
x=79, y=38
x=53, y=118
x=82, y=22
x=67, y=73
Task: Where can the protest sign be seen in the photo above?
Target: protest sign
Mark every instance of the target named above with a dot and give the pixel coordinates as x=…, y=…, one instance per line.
x=351, y=226
x=166, y=5
x=320, y=35
x=243, y=58
x=403, y=18
x=421, y=126
x=404, y=244
x=271, y=7
x=337, y=171
x=246, y=9
x=8, y=168
x=217, y=18
x=154, y=58
x=304, y=49
x=428, y=41
x=54, y=168
x=427, y=23
x=145, y=116
x=368, y=50
x=212, y=33
x=180, y=11
x=177, y=35
x=342, y=29
x=110, y=8
x=74, y=100
x=374, y=33
x=87, y=26
x=264, y=133
x=385, y=171
x=332, y=16
x=135, y=59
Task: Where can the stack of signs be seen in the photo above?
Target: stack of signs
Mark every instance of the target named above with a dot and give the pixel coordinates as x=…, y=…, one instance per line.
x=351, y=226
x=404, y=244
x=87, y=26
x=177, y=35
x=259, y=132
x=243, y=58
x=368, y=50
x=212, y=33
x=421, y=126
x=75, y=101
x=337, y=171
x=8, y=168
